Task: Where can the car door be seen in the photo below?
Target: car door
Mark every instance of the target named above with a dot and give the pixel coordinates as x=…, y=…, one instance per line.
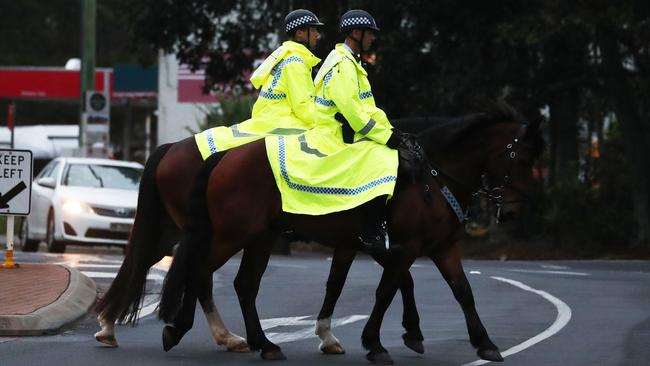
x=42, y=197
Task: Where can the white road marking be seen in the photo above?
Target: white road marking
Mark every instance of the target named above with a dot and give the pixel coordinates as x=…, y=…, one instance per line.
x=475, y=272
x=553, y=266
x=304, y=333
x=90, y=265
x=562, y=319
x=92, y=274
x=549, y=272
x=284, y=265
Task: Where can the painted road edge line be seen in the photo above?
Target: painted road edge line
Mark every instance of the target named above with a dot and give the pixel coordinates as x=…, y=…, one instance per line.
x=562, y=319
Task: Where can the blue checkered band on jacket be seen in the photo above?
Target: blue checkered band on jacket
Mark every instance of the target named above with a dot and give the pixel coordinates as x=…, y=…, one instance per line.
x=323, y=101
x=211, y=144
x=277, y=72
x=300, y=21
x=453, y=202
x=328, y=77
x=356, y=21
x=325, y=190
x=365, y=95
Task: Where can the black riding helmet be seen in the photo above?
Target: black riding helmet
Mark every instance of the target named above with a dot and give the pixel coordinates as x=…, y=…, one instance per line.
x=357, y=19
x=300, y=18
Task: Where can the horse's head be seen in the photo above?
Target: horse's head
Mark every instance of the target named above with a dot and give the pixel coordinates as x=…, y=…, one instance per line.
x=508, y=175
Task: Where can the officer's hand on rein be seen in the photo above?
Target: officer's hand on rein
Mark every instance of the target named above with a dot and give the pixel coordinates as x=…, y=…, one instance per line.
x=407, y=145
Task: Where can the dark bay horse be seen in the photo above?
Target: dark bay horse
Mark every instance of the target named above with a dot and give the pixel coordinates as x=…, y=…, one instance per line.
x=237, y=206
x=162, y=204
x=162, y=200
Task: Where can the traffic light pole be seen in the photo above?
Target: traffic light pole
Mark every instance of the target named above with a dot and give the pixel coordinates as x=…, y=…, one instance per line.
x=88, y=15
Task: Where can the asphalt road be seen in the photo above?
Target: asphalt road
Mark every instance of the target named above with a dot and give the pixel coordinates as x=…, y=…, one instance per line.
x=538, y=313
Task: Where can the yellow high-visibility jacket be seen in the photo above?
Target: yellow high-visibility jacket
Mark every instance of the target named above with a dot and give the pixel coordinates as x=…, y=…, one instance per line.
x=285, y=104
x=342, y=86
x=318, y=172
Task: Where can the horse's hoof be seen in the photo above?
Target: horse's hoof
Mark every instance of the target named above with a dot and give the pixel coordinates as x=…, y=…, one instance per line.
x=490, y=355
x=235, y=344
x=333, y=349
x=274, y=355
x=241, y=347
x=381, y=358
x=169, y=338
x=107, y=339
x=415, y=345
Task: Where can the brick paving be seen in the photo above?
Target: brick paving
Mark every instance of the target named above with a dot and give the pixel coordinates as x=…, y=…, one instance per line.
x=32, y=286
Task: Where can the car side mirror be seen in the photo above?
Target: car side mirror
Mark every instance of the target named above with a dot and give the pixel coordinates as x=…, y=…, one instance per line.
x=46, y=182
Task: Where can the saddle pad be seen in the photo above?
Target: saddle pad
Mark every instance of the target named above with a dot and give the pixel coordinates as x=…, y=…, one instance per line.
x=318, y=174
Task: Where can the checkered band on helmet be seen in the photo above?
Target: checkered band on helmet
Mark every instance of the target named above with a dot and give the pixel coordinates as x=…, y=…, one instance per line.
x=300, y=18
x=357, y=19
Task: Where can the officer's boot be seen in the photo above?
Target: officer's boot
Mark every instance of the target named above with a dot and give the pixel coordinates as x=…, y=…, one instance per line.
x=374, y=237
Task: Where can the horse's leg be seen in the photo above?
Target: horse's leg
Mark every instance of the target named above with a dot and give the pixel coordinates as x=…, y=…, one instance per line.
x=247, y=284
x=199, y=286
x=341, y=262
x=172, y=333
x=410, y=319
x=451, y=268
x=220, y=333
x=395, y=269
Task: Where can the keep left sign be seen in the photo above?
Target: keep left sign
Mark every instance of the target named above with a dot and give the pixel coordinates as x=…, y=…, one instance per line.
x=15, y=182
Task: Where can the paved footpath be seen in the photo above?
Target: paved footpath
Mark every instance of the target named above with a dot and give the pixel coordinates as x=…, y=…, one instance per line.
x=37, y=299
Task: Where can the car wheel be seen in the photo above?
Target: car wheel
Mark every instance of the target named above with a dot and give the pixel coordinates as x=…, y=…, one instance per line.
x=53, y=245
x=27, y=244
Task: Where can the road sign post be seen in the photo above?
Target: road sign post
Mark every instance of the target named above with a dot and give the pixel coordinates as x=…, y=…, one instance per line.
x=15, y=193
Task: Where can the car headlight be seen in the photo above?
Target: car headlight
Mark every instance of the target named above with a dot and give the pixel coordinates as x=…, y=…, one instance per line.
x=76, y=207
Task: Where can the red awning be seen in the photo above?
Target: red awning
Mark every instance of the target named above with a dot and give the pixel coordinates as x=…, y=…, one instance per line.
x=46, y=83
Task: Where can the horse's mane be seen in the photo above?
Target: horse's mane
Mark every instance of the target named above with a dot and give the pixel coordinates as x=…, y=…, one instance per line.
x=444, y=132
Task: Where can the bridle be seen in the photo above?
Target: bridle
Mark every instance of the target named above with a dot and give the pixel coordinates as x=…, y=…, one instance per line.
x=493, y=193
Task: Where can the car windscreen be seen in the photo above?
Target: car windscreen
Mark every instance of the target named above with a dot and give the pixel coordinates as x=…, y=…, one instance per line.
x=101, y=176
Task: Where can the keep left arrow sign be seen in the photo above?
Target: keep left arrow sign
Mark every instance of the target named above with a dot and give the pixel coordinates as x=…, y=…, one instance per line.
x=13, y=192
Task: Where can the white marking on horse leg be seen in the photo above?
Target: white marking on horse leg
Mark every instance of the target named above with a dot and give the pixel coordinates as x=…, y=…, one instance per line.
x=324, y=332
x=221, y=334
x=562, y=319
x=107, y=334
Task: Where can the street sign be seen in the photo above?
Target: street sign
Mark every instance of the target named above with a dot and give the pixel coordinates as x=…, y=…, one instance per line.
x=15, y=182
x=98, y=107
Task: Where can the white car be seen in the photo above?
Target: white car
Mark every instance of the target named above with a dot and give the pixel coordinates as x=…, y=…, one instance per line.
x=82, y=201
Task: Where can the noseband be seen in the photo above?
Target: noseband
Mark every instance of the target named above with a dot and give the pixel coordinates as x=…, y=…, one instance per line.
x=492, y=193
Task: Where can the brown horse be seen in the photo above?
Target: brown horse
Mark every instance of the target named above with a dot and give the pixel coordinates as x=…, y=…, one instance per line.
x=238, y=206
x=164, y=192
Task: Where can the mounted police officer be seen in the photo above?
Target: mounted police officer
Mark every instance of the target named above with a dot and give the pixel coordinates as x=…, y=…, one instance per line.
x=344, y=98
x=285, y=103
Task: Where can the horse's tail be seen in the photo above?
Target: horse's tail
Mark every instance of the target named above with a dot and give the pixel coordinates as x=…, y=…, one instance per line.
x=193, y=247
x=124, y=297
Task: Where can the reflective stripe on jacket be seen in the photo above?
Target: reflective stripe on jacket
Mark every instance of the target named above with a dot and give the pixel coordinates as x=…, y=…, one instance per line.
x=342, y=86
x=285, y=83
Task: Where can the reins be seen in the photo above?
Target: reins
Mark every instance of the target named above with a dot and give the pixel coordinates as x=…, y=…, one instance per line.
x=493, y=194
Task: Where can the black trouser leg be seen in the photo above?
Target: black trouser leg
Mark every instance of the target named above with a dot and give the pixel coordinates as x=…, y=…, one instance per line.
x=373, y=235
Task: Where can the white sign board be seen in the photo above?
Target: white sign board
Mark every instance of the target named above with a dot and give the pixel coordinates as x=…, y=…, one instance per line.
x=15, y=182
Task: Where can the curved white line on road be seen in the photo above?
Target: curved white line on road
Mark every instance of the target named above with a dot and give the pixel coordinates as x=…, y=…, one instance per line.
x=562, y=319
x=548, y=272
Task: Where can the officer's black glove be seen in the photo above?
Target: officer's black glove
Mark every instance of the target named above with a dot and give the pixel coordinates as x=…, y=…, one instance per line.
x=406, y=144
x=411, y=155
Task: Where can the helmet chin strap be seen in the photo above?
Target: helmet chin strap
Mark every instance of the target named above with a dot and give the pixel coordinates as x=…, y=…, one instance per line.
x=306, y=43
x=360, y=41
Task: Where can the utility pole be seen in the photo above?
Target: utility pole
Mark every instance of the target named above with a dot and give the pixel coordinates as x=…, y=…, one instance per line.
x=87, y=73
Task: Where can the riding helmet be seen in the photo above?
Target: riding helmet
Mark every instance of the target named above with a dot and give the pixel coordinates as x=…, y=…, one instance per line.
x=300, y=18
x=357, y=19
